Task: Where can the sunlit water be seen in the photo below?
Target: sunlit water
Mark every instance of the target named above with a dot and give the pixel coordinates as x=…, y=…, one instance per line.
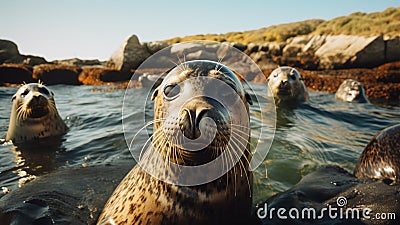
x=323, y=131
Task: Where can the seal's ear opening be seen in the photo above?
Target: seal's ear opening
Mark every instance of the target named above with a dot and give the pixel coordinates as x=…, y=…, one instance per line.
x=154, y=95
x=248, y=98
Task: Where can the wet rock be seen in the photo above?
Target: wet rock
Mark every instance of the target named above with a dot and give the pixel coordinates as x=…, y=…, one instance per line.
x=15, y=74
x=101, y=76
x=51, y=74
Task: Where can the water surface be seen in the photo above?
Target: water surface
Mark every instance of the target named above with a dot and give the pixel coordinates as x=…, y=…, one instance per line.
x=323, y=131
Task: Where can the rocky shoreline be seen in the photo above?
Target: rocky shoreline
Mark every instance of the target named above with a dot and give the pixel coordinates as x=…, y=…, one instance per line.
x=324, y=62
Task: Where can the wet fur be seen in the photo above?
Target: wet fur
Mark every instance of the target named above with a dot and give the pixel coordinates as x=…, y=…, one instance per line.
x=143, y=199
x=295, y=91
x=23, y=127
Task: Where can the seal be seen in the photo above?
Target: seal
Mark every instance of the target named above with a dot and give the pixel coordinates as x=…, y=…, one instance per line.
x=287, y=86
x=182, y=105
x=381, y=157
x=351, y=91
x=34, y=115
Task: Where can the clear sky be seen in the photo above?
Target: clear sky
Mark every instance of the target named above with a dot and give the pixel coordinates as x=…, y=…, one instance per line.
x=91, y=29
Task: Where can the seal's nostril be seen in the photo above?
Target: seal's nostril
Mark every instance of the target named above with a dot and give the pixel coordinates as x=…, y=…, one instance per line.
x=284, y=83
x=187, y=124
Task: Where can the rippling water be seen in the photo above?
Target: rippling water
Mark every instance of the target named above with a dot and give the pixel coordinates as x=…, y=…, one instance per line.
x=323, y=131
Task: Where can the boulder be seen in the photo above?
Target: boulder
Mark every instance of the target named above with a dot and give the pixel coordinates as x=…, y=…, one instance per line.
x=295, y=46
x=32, y=60
x=129, y=56
x=344, y=51
x=202, y=54
x=78, y=62
x=9, y=52
x=51, y=74
x=195, y=51
x=275, y=49
x=186, y=48
x=264, y=60
x=240, y=46
x=314, y=43
x=252, y=48
x=15, y=74
x=156, y=46
x=392, y=49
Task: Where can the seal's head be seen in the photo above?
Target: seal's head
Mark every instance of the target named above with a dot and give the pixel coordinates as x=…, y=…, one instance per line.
x=381, y=157
x=197, y=107
x=286, y=85
x=351, y=91
x=199, y=155
x=34, y=114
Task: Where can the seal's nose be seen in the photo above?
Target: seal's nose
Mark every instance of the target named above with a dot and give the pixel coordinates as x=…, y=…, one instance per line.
x=284, y=84
x=189, y=121
x=38, y=100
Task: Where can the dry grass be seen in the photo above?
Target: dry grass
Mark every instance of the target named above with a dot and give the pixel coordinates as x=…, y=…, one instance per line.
x=386, y=22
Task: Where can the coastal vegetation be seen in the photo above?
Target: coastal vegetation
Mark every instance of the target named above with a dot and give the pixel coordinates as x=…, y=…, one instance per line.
x=386, y=22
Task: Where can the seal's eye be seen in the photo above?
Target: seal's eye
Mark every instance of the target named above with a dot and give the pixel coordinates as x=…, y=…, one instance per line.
x=44, y=91
x=171, y=91
x=292, y=76
x=26, y=91
x=276, y=75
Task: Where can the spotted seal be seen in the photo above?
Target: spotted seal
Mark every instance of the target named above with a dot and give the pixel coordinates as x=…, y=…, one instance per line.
x=351, y=91
x=287, y=86
x=381, y=157
x=181, y=105
x=34, y=114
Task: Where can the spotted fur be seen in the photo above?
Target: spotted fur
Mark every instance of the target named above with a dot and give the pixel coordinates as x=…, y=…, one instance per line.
x=287, y=86
x=34, y=115
x=143, y=199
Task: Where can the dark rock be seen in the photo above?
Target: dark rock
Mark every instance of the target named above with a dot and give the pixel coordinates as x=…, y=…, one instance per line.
x=67, y=196
x=51, y=74
x=15, y=74
x=9, y=52
x=392, y=47
x=240, y=46
x=100, y=76
x=323, y=188
x=32, y=60
x=252, y=48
